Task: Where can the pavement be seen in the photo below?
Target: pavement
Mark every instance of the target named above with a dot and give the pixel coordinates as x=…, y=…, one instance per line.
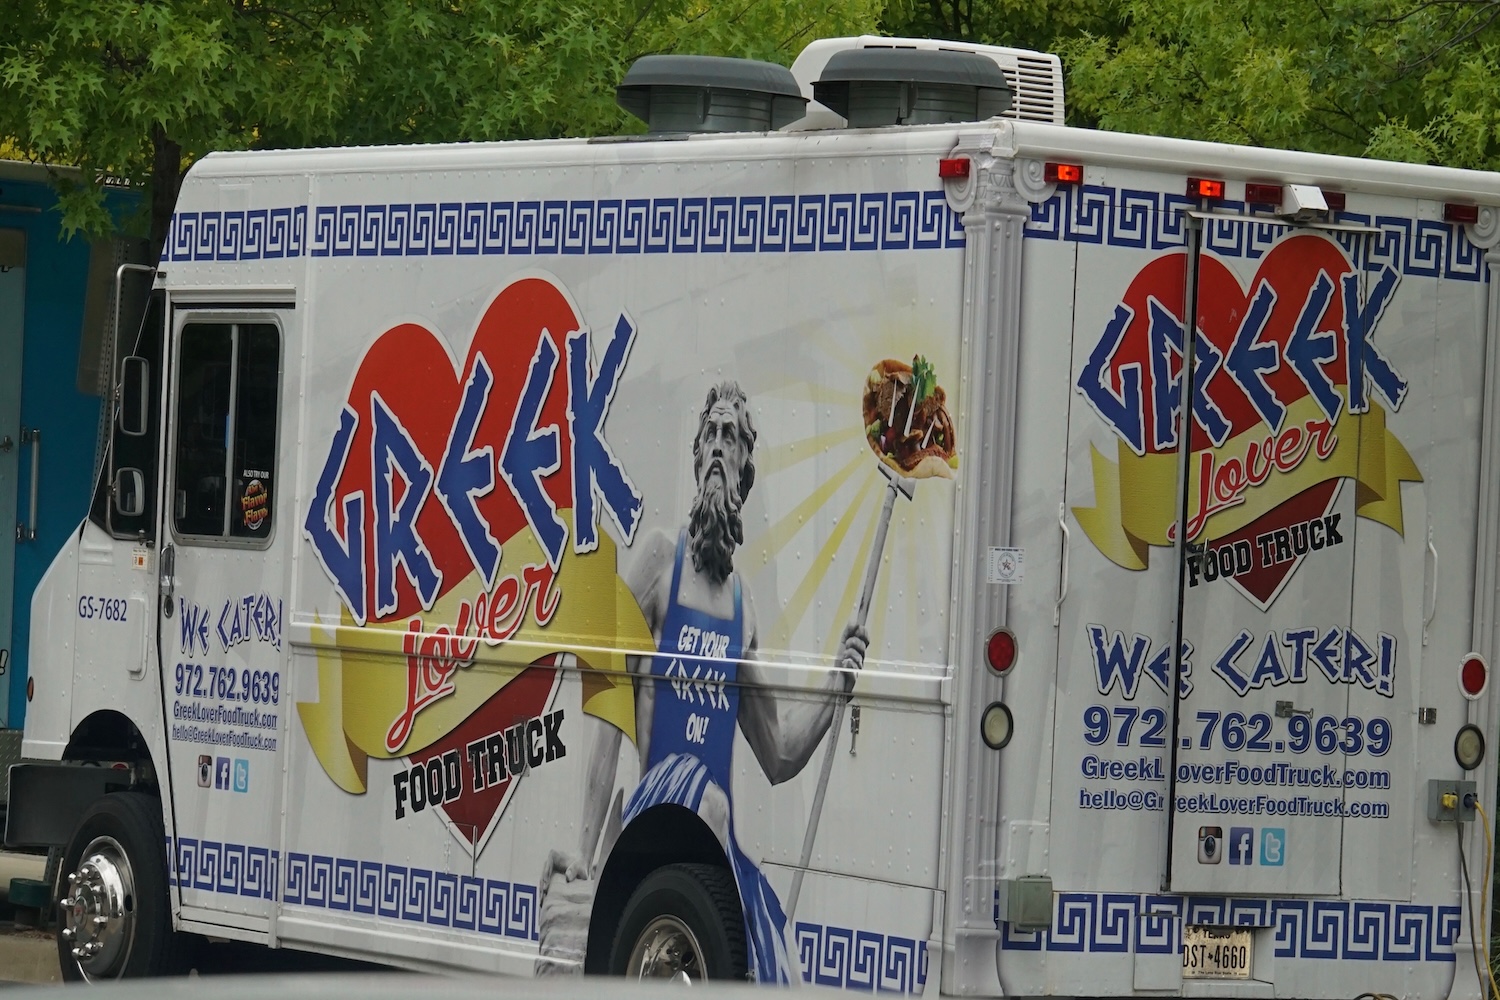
x=30, y=956
x=26, y=955
x=19, y=866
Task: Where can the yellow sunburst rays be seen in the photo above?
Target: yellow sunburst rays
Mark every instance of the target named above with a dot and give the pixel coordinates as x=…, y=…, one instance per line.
x=844, y=610
x=800, y=451
x=841, y=362
x=823, y=563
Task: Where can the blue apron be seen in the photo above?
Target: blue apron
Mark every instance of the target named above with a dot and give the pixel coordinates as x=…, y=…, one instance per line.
x=694, y=715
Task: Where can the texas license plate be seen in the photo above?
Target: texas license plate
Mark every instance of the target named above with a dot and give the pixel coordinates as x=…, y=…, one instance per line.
x=1215, y=953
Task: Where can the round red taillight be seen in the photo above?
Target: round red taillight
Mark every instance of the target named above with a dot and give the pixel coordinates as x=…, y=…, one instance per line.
x=1000, y=651
x=1473, y=676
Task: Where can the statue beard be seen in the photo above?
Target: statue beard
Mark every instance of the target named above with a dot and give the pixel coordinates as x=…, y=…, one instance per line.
x=714, y=525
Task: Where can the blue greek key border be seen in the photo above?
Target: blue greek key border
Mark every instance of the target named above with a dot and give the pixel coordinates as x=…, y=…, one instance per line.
x=419, y=895
x=1153, y=220
x=1313, y=929
x=894, y=220
x=257, y=234
x=868, y=961
x=442, y=899
x=234, y=869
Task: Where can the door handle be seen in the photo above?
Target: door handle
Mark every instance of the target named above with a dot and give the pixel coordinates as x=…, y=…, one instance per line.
x=26, y=531
x=1062, y=580
x=167, y=577
x=6, y=444
x=1429, y=599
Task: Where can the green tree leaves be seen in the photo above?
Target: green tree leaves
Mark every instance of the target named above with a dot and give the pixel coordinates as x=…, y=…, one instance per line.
x=139, y=89
x=1415, y=80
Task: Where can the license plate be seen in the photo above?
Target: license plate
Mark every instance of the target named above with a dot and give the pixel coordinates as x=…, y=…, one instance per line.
x=1215, y=953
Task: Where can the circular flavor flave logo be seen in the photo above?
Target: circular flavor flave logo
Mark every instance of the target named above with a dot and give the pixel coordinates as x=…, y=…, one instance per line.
x=253, y=504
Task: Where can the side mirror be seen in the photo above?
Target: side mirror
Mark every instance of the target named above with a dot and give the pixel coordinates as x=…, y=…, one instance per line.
x=130, y=492
x=135, y=393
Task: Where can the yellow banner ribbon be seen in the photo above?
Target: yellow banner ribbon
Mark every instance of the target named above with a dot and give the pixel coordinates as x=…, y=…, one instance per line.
x=364, y=678
x=1136, y=499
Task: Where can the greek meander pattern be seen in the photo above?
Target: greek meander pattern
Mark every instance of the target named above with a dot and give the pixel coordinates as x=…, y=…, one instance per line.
x=257, y=234
x=895, y=220
x=418, y=895
x=1312, y=929
x=234, y=869
x=1152, y=220
x=869, y=961
x=399, y=892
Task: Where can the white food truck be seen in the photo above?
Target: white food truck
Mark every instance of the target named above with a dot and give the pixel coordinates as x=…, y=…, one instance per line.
x=801, y=543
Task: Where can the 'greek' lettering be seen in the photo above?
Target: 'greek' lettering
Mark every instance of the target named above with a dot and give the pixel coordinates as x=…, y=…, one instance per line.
x=596, y=470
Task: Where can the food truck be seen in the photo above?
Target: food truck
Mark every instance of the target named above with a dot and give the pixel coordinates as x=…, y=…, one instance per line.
x=801, y=543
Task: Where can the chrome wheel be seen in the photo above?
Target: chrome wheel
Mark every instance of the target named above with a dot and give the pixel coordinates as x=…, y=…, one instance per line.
x=98, y=912
x=666, y=949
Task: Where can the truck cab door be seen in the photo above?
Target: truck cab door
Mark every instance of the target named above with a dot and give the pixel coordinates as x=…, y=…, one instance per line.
x=1280, y=439
x=223, y=573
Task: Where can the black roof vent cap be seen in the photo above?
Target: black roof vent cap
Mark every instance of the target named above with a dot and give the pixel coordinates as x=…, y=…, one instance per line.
x=710, y=94
x=877, y=86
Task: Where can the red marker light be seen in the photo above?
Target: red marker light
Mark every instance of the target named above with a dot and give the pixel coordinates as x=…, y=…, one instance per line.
x=1473, y=676
x=953, y=168
x=1000, y=651
x=1063, y=173
x=1454, y=212
x=1263, y=194
x=1335, y=199
x=1203, y=187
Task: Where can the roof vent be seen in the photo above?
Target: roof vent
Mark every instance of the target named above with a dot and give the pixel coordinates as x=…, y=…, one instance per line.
x=890, y=86
x=710, y=94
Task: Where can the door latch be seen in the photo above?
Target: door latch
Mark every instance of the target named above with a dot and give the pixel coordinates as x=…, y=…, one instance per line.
x=167, y=577
x=1286, y=709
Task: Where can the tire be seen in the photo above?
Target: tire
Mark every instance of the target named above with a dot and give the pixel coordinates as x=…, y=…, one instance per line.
x=683, y=917
x=118, y=861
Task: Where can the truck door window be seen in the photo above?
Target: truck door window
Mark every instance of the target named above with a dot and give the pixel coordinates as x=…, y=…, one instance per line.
x=227, y=405
x=128, y=451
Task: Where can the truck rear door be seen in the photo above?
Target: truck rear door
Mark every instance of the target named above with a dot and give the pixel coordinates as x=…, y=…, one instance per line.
x=1286, y=447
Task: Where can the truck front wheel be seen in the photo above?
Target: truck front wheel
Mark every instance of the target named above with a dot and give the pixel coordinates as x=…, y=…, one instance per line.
x=114, y=917
x=682, y=921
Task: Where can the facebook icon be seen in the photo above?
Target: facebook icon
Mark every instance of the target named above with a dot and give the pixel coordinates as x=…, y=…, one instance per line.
x=221, y=773
x=1272, y=845
x=1241, y=845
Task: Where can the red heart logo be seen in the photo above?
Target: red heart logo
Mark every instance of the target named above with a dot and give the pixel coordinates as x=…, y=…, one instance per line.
x=1263, y=580
x=410, y=373
x=1290, y=271
x=413, y=375
x=473, y=814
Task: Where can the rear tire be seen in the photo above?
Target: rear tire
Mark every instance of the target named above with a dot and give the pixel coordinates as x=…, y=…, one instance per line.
x=114, y=916
x=682, y=918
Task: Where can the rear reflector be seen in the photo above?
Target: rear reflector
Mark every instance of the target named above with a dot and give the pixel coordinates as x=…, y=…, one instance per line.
x=953, y=168
x=1454, y=212
x=1203, y=187
x=996, y=726
x=1000, y=651
x=1063, y=173
x=1473, y=676
x=1263, y=194
x=1468, y=747
x=1335, y=199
